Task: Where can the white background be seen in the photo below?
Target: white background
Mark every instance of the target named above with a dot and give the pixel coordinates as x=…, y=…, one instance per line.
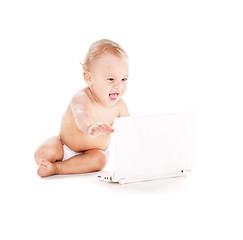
x=184, y=55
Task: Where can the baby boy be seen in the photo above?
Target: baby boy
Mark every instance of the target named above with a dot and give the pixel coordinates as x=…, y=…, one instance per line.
x=87, y=123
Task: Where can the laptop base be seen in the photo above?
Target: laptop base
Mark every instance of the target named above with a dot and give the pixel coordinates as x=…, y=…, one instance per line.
x=132, y=179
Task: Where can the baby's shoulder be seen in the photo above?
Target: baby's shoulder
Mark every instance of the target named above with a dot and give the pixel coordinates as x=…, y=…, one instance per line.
x=121, y=103
x=81, y=95
x=80, y=98
x=123, y=109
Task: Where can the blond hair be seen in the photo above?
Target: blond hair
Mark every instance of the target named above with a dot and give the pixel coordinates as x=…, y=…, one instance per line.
x=100, y=47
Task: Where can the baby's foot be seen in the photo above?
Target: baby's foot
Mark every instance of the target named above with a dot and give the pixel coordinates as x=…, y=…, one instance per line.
x=46, y=168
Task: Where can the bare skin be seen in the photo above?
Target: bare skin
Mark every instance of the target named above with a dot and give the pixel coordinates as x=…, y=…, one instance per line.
x=87, y=122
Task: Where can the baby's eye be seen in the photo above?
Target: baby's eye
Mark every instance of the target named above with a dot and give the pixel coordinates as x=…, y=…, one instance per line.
x=110, y=79
x=124, y=79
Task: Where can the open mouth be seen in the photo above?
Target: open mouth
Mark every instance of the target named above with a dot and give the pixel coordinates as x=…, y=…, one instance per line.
x=113, y=96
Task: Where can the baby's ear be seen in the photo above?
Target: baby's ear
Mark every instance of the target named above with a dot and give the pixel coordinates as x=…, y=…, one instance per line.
x=87, y=78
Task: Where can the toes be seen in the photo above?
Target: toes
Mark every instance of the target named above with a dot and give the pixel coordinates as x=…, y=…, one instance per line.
x=46, y=168
x=42, y=166
x=41, y=170
x=44, y=162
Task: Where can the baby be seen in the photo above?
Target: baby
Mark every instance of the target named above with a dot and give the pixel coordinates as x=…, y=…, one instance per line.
x=87, y=123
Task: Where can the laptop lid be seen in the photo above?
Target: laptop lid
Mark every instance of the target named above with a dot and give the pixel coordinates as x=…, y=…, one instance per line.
x=154, y=146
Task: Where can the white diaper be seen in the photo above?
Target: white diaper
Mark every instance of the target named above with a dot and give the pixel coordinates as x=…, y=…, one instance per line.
x=68, y=153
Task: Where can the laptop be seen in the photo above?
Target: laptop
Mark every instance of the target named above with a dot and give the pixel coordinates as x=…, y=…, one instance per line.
x=152, y=147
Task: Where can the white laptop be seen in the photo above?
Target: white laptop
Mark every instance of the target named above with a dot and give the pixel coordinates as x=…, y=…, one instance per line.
x=152, y=147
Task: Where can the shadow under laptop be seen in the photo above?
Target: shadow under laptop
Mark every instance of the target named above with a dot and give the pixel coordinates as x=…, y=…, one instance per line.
x=165, y=185
x=162, y=186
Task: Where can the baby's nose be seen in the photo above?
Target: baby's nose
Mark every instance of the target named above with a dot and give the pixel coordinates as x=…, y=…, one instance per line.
x=117, y=86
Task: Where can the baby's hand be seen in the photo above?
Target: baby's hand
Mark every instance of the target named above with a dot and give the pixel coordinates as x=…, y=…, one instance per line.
x=99, y=128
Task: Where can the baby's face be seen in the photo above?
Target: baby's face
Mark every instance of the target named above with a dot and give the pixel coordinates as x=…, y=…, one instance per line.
x=109, y=75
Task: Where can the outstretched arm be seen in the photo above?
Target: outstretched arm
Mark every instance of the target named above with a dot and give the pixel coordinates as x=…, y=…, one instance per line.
x=79, y=106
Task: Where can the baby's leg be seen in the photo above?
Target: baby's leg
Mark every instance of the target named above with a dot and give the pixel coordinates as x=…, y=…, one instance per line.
x=51, y=150
x=90, y=161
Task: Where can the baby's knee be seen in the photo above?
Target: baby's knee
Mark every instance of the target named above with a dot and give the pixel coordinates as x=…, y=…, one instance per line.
x=44, y=152
x=102, y=160
x=99, y=159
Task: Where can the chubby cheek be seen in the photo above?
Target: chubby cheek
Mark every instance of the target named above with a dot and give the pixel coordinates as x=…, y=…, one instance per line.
x=102, y=91
x=123, y=90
